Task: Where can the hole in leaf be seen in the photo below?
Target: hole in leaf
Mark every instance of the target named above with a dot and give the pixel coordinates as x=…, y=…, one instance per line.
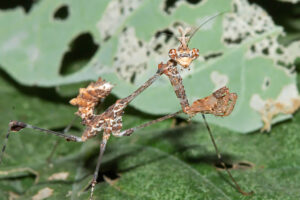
x=231, y=41
x=107, y=38
x=284, y=14
x=267, y=83
x=132, y=78
x=11, y=4
x=259, y=31
x=220, y=166
x=140, y=43
x=253, y=49
x=168, y=5
x=212, y=55
x=166, y=32
x=281, y=63
x=265, y=51
x=279, y=51
x=82, y=49
x=193, y=1
x=235, y=8
x=157, y=47
x=122, y=10
x=61, y=13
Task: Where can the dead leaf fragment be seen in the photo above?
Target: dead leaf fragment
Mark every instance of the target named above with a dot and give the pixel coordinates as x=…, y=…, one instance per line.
x=287, y=102
x=59, y=176
x=43, y=194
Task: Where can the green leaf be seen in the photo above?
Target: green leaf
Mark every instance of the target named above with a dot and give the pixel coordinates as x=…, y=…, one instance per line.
x=237, y=48
x=158, y=162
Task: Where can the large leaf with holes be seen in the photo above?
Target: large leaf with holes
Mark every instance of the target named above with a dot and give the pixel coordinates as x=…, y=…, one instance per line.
x=239, y=49
x=161, y=162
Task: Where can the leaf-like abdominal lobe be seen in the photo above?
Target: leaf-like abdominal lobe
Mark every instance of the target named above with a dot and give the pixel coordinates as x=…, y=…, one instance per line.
x=220, y=103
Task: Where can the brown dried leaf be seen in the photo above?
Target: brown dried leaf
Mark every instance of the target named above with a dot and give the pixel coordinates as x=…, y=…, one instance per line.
x=273, y=108
x=287, y=102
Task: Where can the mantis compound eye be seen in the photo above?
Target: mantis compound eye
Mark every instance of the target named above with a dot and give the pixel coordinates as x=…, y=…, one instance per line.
x=173, y=54
x=194, y=53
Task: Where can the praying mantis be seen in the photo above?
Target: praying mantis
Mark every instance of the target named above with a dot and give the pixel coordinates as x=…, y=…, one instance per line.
x=110, y=123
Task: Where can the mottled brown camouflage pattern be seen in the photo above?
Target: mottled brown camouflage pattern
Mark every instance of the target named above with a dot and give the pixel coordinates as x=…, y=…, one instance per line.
x=220, y=103
x=89, y=97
